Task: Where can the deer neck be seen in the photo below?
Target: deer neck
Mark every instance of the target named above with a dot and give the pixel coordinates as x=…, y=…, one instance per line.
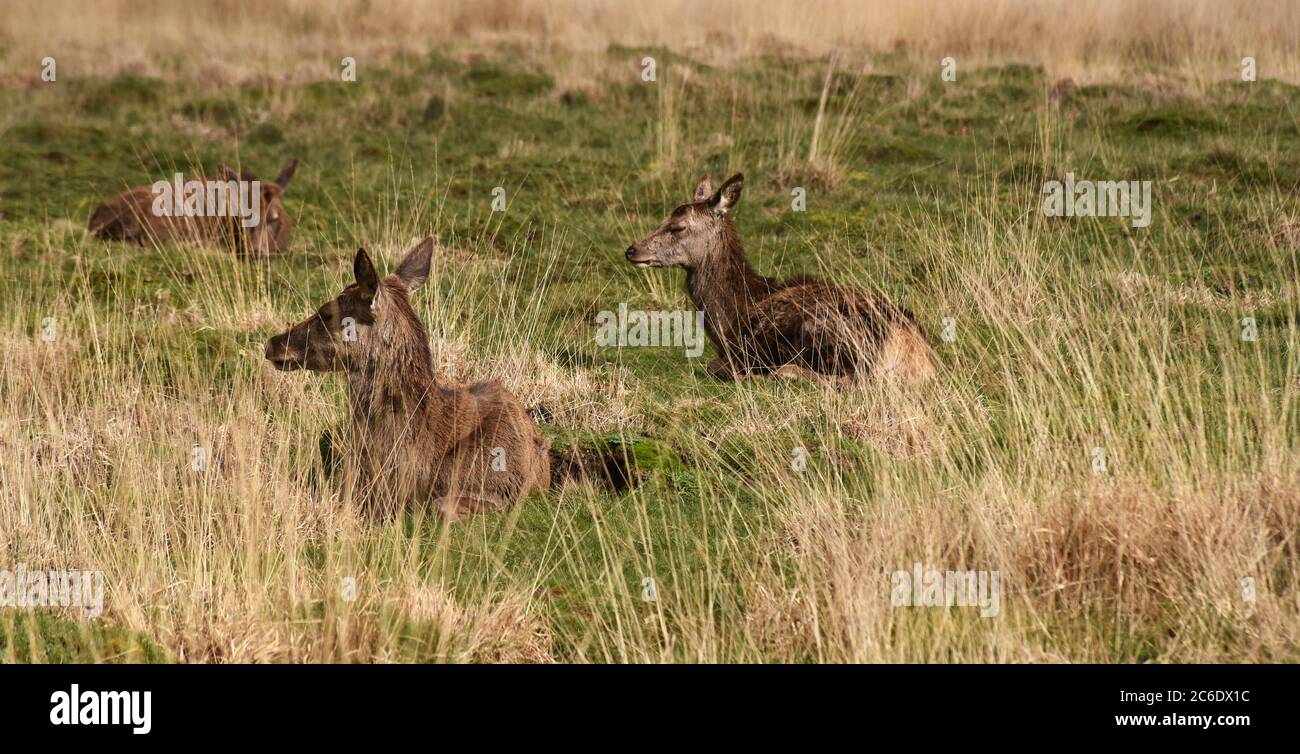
x=393, y=394
x=726, y=287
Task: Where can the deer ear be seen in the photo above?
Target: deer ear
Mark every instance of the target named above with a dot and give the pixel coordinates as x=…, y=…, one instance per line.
x=414, y=269
x=286, y=173
x=364, y=271
x=703, y=189
x=728, y=195
x=228, y=173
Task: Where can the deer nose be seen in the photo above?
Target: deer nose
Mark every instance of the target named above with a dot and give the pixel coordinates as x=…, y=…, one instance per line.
x=630, y=251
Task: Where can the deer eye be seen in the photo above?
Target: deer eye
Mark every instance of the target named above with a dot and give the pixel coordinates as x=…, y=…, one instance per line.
x=677, y=229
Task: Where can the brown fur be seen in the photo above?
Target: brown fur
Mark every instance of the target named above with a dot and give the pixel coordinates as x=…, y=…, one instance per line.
x=800, y=327
x=414, y=437
x=129, y=217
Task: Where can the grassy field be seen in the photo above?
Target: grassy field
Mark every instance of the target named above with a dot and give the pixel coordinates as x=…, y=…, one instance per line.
x=1057, y=337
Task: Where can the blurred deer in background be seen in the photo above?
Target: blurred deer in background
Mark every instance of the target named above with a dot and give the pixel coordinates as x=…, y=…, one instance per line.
x=139, y=216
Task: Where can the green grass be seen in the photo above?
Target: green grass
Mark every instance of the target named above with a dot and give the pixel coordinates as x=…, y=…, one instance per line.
x=39, y=636
x=933, y=194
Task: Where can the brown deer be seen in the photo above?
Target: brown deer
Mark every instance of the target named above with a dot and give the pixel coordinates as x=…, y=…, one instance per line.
x=133, y=216
x=469, y=449
x=797, y=328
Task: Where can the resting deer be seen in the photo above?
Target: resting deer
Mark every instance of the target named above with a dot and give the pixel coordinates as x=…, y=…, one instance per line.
x=133, y=216
x=469, y=449
x=800, y=327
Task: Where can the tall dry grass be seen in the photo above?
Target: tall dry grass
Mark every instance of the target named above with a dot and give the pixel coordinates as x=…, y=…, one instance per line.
x=989, y=469
x=251, y=555
x=297, y=39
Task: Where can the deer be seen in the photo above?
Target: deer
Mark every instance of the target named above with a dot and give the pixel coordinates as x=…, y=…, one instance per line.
x=414, y=438
x=799, y=328
x=134, y=216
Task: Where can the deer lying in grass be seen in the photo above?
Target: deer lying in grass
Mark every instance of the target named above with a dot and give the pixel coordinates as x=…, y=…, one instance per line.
x=796, y=328
x=133, y=216
x=470, y=449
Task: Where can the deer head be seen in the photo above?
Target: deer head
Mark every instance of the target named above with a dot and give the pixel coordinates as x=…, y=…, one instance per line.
x=690, y=234
x=341, y=334
x=270, y=235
